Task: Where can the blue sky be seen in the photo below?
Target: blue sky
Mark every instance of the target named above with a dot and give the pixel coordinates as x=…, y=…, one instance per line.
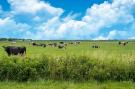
x=69, y=6
x=67, y=19
x=76, y=6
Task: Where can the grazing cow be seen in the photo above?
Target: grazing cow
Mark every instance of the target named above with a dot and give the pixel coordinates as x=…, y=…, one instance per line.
x=71, y=43
x=95, y=46
x=34, y=44
x=13, y=50
x=61, y=46
x=123, y=43
x=43, y=45
x=61, y=42
x=50, y=44
x=78, y=42
x=55, y=44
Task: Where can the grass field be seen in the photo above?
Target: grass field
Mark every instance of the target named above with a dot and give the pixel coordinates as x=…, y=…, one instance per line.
x=66, y=85
x=110, y=62
x=83, y=48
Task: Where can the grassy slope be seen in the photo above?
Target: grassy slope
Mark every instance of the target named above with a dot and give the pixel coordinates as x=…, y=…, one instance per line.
x=66, y=85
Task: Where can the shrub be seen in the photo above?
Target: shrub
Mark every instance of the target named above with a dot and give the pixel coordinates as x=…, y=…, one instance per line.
x=76, y=68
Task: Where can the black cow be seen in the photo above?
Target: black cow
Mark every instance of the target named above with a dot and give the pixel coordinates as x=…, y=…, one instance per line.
x=61, y=42
x=61, y=46
x=41, y=44
x=34, y=44
x=95, y=46
x=13, y=50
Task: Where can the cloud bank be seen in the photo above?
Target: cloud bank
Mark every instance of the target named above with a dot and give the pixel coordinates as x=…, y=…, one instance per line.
x=36, y=19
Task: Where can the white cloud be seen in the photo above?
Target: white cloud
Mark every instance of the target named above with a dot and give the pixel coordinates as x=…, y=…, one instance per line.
x=105, y=15
x=3, y=21
x=33, y=7
x=114, y=34
x=9, y=28
x=33, y=12
x=39, y=20
x=96, y=18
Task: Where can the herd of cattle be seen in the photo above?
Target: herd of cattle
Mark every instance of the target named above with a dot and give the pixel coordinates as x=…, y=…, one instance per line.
x=60, y=45
x=21, y=50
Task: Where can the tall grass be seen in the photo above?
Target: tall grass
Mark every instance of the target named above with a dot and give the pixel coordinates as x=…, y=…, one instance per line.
x=99, y=65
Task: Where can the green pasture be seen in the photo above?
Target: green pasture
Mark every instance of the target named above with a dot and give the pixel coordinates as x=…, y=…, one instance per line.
x=111, y=47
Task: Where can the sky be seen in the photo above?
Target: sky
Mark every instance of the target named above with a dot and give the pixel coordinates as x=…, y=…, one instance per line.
x=67, y=19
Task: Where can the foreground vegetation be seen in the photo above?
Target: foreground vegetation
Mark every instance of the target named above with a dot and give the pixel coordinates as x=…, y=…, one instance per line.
x=66, y=85
x=98, y=66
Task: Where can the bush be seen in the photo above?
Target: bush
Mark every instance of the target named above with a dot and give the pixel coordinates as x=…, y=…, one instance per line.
x=82, y=68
